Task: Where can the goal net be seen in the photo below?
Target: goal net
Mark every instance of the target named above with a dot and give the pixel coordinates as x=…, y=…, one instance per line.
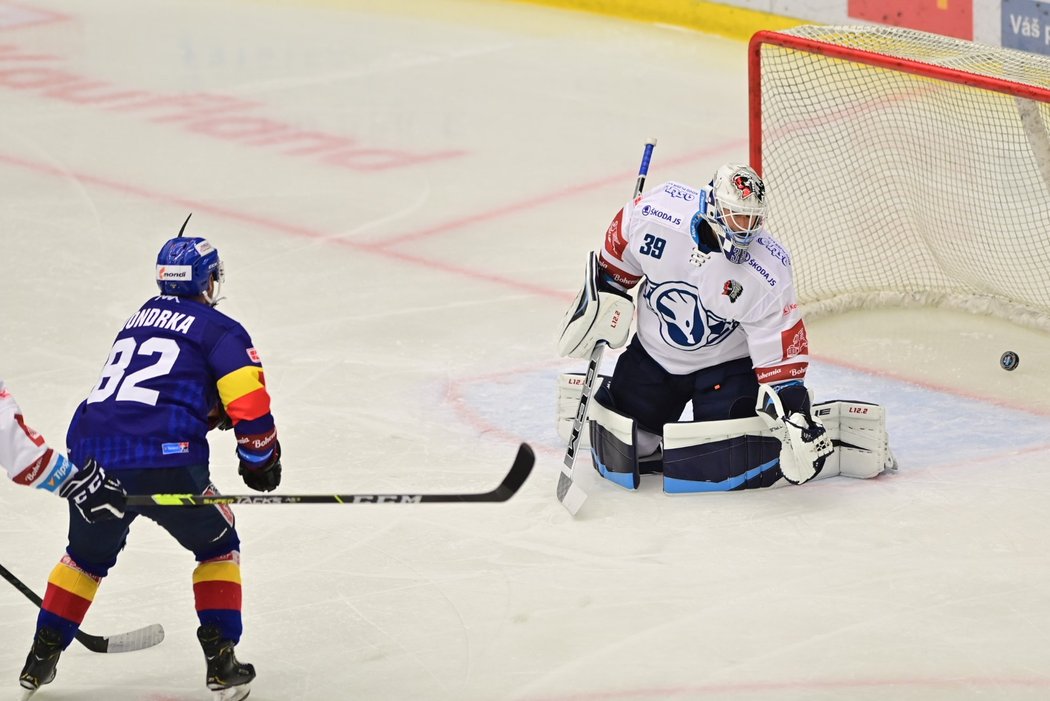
x=906, y=168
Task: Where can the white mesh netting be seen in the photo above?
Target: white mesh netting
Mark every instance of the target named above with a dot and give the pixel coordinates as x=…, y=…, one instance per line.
x=894, y=188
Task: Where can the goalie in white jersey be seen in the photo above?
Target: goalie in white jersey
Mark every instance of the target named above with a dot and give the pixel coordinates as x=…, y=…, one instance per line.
x=718, y=325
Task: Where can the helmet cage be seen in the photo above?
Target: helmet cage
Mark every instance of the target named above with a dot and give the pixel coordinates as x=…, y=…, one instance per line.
x=737, y=203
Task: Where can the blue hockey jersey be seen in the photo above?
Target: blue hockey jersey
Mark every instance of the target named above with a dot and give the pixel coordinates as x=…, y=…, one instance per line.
x=171, y=366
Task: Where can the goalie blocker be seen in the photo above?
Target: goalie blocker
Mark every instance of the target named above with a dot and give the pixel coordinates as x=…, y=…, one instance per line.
x=736, y=454
x=597, y=315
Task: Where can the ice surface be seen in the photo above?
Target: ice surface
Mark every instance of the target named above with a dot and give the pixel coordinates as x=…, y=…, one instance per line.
x=403, y=275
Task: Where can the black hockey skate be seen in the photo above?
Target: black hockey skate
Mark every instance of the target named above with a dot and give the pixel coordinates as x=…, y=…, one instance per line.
x=42, y=662
x=227, y=677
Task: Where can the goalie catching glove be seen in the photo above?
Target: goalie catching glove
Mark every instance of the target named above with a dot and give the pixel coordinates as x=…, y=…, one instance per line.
x=597, y=315
x=805, y=444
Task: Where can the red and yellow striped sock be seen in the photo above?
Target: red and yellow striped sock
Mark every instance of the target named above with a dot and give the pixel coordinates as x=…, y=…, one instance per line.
x=70, y=591
x=217, y=593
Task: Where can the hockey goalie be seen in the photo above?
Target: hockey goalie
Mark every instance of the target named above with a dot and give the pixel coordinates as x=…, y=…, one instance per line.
x=718, y=327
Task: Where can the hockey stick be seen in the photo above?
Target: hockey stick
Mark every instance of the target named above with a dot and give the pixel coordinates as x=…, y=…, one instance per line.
x=519, y=471
x=139, y=639
x=569, y=493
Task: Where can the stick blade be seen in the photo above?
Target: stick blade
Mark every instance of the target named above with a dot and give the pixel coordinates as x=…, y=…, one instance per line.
x=570, y=494
x=519, y=472
x=131, y=641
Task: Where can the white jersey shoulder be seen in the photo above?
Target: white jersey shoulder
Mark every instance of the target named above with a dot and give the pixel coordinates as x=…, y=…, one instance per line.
x=694, y=316
x=23, y=453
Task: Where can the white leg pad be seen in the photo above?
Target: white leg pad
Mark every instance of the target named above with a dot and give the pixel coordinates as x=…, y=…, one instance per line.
x=858, y=431
x=614, y=448
x=570, y=387
x=612, y=421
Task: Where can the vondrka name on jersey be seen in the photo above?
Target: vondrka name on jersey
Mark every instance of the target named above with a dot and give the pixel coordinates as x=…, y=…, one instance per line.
x=161, y=319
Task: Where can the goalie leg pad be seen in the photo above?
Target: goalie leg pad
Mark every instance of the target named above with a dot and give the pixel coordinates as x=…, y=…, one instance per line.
x=570, y=386
x=858, y=431
x=720, y=456
x=614, y=445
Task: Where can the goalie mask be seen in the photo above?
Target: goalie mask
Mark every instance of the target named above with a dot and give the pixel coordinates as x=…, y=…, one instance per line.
x=186, y=265
x=736, y=208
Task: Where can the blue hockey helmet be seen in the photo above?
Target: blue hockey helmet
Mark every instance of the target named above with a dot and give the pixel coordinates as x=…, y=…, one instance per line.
x=186, y=265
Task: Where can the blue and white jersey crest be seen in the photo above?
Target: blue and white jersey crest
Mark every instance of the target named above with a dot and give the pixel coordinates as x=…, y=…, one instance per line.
x=685, y=324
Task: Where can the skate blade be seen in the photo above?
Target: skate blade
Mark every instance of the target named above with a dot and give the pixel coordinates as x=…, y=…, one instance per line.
x=233, y=693
x=26, y=693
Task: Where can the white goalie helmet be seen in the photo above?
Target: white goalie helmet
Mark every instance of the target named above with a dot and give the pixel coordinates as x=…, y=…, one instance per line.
x=736, y=203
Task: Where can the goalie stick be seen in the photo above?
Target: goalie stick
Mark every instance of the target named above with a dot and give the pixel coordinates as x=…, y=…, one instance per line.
x=139, y=639
x=570, y=494
x=519, y=471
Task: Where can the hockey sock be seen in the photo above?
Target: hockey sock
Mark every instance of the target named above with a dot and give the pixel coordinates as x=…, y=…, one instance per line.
x=70, y=591
x=217, y=593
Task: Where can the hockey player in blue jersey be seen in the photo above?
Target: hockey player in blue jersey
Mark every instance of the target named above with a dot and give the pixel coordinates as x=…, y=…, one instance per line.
x=177, y=369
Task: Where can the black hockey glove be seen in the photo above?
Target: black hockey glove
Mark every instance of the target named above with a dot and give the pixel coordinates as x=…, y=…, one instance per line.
x=262, y=476
x=96, y=495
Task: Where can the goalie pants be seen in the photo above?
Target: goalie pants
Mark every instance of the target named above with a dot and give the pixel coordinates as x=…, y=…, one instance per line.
x=642, y=389
x=208, y=532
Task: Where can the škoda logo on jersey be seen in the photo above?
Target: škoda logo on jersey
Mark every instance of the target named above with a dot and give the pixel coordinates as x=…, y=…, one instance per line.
x=650, y=211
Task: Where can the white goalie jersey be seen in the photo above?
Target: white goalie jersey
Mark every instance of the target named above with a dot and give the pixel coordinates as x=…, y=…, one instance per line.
x=694, y=310
x=23, y=453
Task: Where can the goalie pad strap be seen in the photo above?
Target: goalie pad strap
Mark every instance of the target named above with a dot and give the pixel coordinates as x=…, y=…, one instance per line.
x=596, y=316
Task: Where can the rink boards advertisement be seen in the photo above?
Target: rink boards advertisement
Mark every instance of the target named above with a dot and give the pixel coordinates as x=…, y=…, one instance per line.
x=1016, y=24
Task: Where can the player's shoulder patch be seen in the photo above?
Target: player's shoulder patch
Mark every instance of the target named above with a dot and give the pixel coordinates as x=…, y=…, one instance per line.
x=670, y=204
x=679, y=191
x=615, y=241
x=769, y=260
x=775, y=249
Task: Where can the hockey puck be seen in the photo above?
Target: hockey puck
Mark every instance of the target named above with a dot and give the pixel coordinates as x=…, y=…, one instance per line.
x=1009, y=361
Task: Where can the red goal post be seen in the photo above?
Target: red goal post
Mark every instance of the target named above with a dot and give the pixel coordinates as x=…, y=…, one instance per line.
x=905, y=168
